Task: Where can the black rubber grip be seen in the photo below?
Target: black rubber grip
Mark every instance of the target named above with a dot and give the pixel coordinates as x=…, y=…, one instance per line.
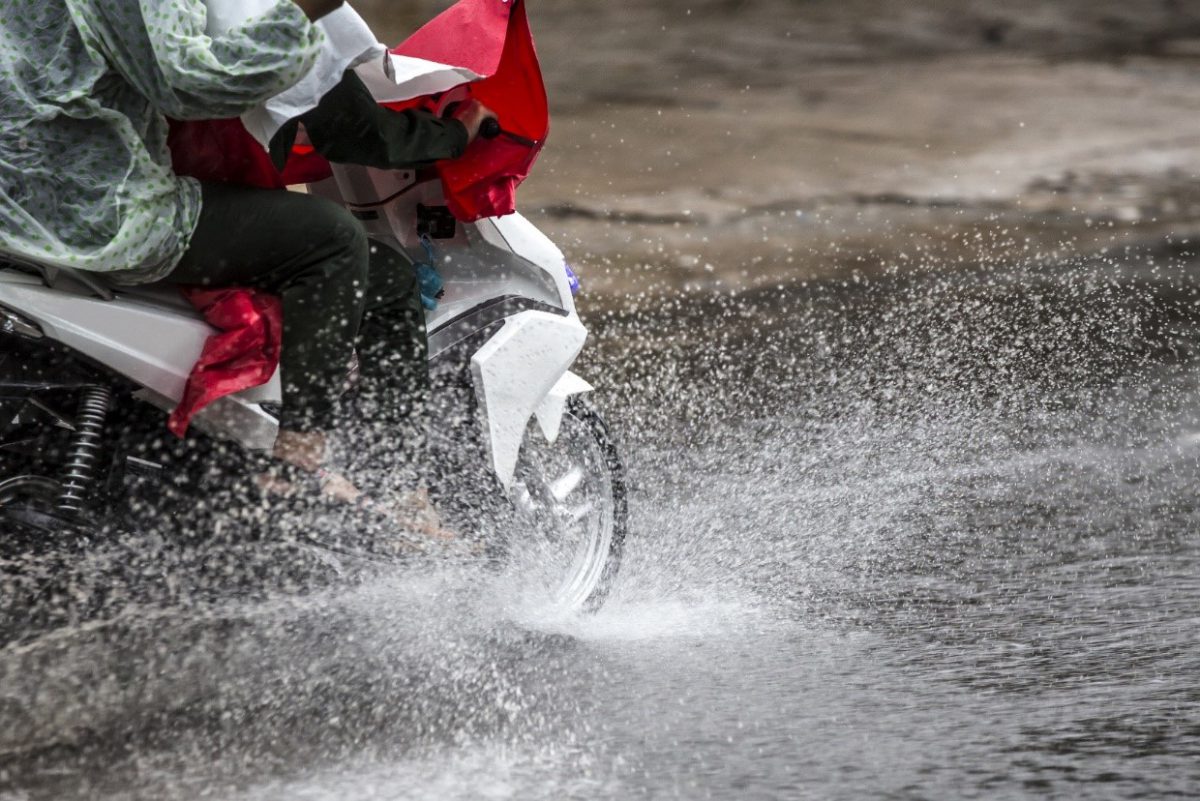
x=490, y=128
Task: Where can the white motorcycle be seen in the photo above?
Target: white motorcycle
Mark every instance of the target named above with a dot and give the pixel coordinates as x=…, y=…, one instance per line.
x=74, y=352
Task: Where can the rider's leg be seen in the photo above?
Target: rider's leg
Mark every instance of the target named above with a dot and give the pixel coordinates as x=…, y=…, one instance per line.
x=390, y=454
x=392, y=342
x=310, y=252
x=387, y=431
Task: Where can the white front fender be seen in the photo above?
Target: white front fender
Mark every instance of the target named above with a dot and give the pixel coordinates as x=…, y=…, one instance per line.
x=518, y=373
x=550, y=411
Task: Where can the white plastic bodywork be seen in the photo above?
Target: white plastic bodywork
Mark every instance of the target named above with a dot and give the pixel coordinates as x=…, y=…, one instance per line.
x=515, y=372
x=491, y=258
x=552, y=408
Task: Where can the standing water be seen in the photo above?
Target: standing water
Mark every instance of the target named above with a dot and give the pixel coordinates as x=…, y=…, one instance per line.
x=932, y=536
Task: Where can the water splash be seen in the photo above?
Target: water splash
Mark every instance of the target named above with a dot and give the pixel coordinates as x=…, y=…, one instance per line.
x=953, y=523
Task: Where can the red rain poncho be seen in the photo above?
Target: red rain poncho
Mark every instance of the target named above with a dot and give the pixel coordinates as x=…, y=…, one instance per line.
x=222, y=152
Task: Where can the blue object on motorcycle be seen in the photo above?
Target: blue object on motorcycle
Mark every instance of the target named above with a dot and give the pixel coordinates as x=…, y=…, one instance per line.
x=572, y=279
x=432, y=286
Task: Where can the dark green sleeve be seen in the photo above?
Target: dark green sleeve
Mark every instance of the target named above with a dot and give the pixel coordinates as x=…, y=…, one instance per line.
x=349, y=127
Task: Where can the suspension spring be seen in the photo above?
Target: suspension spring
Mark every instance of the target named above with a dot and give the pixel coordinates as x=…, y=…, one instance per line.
x=83, y=456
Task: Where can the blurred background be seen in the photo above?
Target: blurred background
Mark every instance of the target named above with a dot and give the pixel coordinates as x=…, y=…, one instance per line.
x=700, y=144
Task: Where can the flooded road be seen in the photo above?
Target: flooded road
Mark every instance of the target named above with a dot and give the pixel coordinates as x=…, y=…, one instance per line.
x=931, y=536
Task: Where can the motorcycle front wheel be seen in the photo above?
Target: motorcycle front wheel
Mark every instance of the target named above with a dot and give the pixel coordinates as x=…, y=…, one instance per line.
x=572, y=509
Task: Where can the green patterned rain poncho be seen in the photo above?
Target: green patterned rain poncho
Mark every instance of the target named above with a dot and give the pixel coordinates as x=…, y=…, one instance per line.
x=85, y=86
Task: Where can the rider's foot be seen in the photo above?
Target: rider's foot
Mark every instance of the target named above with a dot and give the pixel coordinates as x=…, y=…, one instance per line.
x=308, y=451
x=422, y=516
x=303, y=449
x=413, y=511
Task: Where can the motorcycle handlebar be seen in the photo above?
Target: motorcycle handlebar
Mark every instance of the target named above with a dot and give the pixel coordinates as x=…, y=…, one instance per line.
x=490, y=128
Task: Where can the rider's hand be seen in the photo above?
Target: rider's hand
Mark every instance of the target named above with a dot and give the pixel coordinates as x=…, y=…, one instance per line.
x=472, y=114
x=315, y=9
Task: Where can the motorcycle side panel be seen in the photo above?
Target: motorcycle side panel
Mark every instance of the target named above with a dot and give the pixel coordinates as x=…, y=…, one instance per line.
x=517, y=235
x=149, y=336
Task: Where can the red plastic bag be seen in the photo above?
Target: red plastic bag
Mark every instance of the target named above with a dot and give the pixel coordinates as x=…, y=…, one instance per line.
x=243, y=354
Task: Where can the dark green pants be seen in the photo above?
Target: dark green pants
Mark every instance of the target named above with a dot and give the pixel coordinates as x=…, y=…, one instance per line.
x=339, y=291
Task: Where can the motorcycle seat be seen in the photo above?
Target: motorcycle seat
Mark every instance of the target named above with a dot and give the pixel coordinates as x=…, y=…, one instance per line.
x=53, y=276
x=161, y=293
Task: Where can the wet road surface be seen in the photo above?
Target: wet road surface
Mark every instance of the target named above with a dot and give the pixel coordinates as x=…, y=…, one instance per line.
x=925, y=536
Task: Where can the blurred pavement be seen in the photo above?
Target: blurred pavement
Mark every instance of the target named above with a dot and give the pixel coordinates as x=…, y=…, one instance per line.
x=727, y=143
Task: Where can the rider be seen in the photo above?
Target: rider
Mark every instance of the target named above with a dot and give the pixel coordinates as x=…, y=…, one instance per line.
x=86, y=182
